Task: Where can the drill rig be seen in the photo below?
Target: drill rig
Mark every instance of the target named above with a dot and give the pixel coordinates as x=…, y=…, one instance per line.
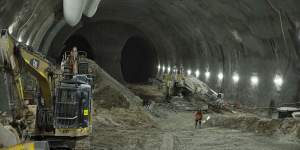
x=63, y=108
x=179, y=84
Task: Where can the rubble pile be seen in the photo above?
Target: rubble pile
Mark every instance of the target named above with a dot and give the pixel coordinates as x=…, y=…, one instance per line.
x=149, y=92
x=124, y=118
x=288, y=127
x=108, y=92
x=114, y=105
x=110, y=98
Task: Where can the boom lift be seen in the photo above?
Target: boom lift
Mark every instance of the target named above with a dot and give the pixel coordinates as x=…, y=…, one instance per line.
x=63, y=109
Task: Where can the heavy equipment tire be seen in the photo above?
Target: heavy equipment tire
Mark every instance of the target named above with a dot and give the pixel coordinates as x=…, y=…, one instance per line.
x=8, y=136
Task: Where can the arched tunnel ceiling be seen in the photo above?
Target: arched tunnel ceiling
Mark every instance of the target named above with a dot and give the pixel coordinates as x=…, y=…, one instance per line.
x=246, y=37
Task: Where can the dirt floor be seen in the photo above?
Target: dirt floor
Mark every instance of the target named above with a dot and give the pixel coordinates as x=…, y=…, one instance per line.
x=120, y=122
x=175, y=131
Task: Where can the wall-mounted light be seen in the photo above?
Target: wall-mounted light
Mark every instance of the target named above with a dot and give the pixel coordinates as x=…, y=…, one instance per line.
x=278, y=81
x=28, y=42
x=158, y=67
x=220, y=76
x=197, y=73
x=189, y=71
x=12, y=26
x=163, y=68
x=10, y=29
x=235, y=78
x=207, y=74
x=169, y=69
x=20, y=39
x=175, y=70
x=254, y=80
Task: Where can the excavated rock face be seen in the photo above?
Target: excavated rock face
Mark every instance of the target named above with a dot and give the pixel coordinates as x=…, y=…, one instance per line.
x=257, y=38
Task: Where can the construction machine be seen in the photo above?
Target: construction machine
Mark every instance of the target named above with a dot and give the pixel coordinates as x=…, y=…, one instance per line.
x=195, y=86
x=61, y=111
x=179, y=84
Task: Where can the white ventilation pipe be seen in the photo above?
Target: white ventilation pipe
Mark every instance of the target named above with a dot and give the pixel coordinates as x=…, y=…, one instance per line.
x=91, y=7
x=73, y=10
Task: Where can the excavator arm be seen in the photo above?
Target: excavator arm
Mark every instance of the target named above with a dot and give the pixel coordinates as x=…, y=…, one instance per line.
x=13, y=57
x=41, y=69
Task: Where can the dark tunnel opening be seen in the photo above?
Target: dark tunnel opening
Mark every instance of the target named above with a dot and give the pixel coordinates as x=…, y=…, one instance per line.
x=138, y=60
x=81, y=43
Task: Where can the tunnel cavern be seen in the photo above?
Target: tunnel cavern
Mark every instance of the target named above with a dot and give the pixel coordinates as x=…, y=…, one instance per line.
x=150, y=74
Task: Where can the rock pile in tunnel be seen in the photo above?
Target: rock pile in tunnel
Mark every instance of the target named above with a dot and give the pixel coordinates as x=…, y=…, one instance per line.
x=288, y=128
x=114, y=105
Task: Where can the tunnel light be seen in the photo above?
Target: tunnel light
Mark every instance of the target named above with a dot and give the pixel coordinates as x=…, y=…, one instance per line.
x=197, y=73
x=12, y=26
x=20, y=39
x=158, y=67
x=208, y=117
x=28, y=43
x=169, y=69
x=278, y=81
x=205, y=120
x=163, y=68
x=189, y=72
x=175, y=70
x=235, y=78
x=220, y=76
x=254, y=80
x=10, y=29
x=207, y=74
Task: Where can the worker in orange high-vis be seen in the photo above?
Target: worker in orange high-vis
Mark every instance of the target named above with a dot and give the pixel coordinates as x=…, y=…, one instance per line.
x=198, y=118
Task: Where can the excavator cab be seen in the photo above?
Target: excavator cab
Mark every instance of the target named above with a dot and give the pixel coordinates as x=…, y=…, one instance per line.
x=73, y=97
x=72, y=109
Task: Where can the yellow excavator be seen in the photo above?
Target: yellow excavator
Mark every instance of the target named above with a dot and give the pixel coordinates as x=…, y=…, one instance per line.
x=62, y=110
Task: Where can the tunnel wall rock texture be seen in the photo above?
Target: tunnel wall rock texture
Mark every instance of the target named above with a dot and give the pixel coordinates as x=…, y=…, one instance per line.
x=247, y=37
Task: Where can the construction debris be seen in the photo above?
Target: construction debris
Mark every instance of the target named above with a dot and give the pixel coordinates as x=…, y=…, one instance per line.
x=115, y=105
x=288, y=127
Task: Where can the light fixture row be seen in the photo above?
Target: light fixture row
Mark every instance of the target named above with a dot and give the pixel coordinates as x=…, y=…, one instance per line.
x=254, y=79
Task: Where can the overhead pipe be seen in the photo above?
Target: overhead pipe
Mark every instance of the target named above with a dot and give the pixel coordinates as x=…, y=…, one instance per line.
x=91, y=7
x=73, y=10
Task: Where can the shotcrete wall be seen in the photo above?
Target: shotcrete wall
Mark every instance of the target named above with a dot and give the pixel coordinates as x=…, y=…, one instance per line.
x=248, y=38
